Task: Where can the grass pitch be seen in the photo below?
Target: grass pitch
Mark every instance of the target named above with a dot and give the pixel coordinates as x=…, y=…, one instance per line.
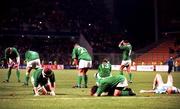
x=15, y=96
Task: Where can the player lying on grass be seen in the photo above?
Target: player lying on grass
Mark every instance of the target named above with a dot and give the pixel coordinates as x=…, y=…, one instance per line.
x=112, y=86
x=13, y=59
x=160, y=87
x=43, y=81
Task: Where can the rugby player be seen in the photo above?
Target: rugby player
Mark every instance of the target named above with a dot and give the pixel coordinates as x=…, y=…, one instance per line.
x=161, y=88
x=126, y=58
x=82, y=58
x=33, y=62
x=13, y=59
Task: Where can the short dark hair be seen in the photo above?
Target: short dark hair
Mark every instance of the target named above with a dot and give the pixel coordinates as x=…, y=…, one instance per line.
x=126, y=41
x=76, y=44
x=105, y=60
x=9, y=49
x=48, y=72
x=93, y=90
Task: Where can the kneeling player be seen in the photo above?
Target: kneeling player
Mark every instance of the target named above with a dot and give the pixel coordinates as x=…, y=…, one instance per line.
x=104, y=70
x=43, y=81
x=112, y=86
x=160, y=87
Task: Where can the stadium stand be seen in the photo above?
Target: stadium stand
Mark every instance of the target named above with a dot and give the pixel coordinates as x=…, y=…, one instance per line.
x=159, y=54
x=27, y=24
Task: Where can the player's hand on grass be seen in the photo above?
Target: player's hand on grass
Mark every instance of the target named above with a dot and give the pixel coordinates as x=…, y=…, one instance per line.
x=52, y=93
x=95, y=95
x=36, y=94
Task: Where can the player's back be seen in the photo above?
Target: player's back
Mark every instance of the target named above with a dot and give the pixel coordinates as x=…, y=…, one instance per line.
x=82, y=53
x=31, y=55
x=104, y=70
x=112, y=80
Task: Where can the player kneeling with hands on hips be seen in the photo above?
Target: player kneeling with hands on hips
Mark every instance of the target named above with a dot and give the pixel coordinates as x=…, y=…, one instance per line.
x=43, y=81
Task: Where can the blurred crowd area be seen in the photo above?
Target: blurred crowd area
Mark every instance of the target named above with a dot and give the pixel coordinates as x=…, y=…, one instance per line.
x=89, y=17
x=51, y=50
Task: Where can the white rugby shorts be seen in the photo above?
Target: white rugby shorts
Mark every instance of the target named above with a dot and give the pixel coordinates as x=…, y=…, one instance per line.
x=34, y=63
x=126, y=62
x=85, y=64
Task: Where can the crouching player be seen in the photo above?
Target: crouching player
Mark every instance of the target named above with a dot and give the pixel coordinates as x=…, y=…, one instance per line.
x=33, y=62
x=161, y=88
x=112, y=86
x=85, y=62
x=43, y=81
x=13, y=59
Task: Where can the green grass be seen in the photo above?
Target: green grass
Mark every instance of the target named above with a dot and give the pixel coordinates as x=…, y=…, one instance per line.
x=14, y=96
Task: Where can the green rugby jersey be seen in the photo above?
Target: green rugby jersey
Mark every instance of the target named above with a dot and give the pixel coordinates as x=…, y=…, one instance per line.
x=39, y=78
x=126, y=55
x=104, y=70
x=109, y=82
x=31, y=55
x=81, y=53
x=13, y=55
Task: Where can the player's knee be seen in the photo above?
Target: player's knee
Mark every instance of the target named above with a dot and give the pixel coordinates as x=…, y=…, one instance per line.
x=28, y=69
x=117, y=92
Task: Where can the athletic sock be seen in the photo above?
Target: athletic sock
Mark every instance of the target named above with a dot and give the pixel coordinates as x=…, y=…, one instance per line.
x=121, y=72
x=18, y=75
x=8, y=75
x=130, y=76
x=124, y=93
x=85, y=78
x=79, y=79
x=26, y=79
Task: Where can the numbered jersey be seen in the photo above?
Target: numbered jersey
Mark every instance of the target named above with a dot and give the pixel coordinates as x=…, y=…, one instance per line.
x=104, y=70
x=81, y=53
x=126, y=51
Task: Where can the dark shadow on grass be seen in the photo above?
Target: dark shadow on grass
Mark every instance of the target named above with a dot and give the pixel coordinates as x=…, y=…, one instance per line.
x=61, y=94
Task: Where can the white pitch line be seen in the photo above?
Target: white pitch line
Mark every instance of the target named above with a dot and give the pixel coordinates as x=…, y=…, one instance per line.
x=79, y=98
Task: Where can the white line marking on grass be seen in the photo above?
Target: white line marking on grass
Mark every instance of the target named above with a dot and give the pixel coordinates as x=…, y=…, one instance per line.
x=78, y=98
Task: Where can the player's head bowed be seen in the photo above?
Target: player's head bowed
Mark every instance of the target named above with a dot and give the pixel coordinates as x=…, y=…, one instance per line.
x=105, y=60
x=9, y=50
x=76, y=45
x=47, y=72
x=93, y=90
